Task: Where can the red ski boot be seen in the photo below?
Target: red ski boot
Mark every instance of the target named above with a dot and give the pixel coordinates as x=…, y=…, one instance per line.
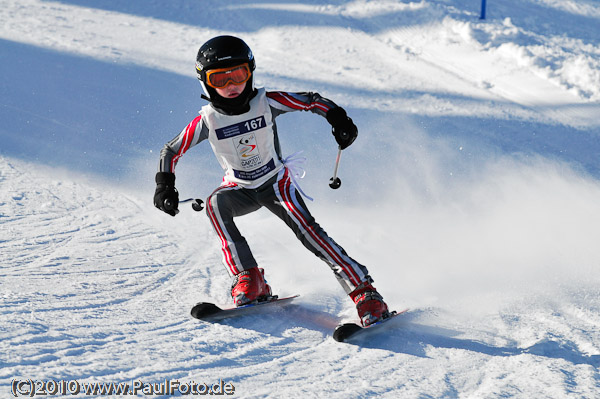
x=369, y=304
x=249, y=286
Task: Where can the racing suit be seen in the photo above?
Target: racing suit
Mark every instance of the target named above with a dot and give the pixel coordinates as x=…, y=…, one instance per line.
x=247, y=148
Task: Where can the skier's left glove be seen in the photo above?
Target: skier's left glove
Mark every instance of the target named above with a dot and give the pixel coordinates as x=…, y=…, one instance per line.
x=166, y=197
x=343, y=129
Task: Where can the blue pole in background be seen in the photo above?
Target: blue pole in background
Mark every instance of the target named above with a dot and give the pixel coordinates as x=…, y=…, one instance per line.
x=482, y=10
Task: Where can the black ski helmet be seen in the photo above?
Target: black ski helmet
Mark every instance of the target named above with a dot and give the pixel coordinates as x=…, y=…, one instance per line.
x=223, y=52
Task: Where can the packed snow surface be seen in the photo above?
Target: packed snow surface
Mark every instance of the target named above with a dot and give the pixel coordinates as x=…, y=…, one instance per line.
x=472, y=194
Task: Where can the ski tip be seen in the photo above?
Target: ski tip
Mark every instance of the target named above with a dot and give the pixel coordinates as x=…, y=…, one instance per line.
x=345, y=331
x=208, y=311
x=204, y=309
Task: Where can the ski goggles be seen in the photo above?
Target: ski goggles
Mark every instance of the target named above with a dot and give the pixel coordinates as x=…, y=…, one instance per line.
x=223, y=77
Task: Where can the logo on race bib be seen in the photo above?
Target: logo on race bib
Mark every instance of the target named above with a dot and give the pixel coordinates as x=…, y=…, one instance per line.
x=247, y=151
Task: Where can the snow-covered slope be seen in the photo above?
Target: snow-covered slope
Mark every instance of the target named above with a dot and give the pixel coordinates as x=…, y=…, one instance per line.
x=472, y=194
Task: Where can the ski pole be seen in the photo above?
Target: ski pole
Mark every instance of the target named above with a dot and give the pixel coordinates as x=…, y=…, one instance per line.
x=335, y=181
x=197, y=204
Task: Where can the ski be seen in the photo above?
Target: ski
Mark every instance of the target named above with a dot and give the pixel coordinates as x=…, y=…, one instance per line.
x=343, y=332
x=208, y=311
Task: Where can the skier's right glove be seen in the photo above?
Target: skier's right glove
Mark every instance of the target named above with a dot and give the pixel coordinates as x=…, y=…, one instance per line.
x=343, y=129
x=166, y=197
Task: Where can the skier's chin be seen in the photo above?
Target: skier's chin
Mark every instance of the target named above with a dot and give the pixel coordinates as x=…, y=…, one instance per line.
x=230, y=92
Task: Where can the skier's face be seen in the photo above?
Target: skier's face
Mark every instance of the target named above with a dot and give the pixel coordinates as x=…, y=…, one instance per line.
x=231, y=91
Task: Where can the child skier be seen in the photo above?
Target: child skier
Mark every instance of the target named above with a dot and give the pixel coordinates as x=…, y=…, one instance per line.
x=239, y=123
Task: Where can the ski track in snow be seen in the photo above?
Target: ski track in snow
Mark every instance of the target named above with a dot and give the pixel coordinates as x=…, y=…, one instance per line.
x=487, y=232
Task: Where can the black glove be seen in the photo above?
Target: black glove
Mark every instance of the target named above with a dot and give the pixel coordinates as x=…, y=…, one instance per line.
x=343, y=129
x=166, y=197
